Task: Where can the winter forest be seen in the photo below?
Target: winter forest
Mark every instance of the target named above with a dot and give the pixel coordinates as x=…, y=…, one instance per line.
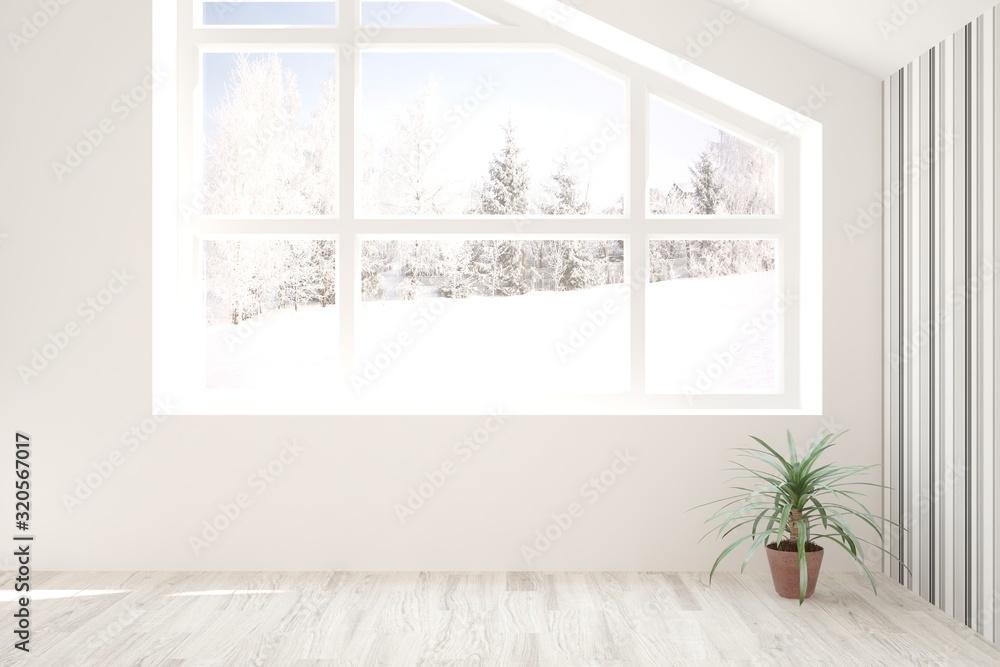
x=246, y=279
x=271, y=149
x=404, y=270
x=261, y=157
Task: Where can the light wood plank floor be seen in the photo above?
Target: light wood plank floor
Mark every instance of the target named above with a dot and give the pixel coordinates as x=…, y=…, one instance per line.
x=467, y=619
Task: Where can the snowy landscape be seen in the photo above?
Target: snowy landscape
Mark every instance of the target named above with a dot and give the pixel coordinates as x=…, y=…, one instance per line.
x=505, y=316
x=713, y=318
x=271, y=313
x=445, y=315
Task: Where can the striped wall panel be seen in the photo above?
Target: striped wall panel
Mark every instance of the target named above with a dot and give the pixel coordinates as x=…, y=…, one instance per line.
x=942, y=326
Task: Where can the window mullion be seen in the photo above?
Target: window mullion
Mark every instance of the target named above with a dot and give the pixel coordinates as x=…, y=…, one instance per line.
x=637, y=257
x=190, y=356
x=348, y=287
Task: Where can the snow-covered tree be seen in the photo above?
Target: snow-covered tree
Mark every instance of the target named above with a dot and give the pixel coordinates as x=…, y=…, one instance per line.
x=678, y=200
x=617, y=208
x=247, y=278
x=455, y=267
x=561, y=195
x=256, y=161
x=491, y=267
x=505, y=190
x=374, y=263
x=324, y=263
x=574, y=266
x=730, y=176
x=321, y=183
x=300, y=280
x=707, y=184
x=709, y=258
x=511, y=268
x=400, y=174
x=746, y=172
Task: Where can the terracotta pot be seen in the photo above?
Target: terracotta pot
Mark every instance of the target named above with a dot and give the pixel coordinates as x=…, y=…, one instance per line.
x=785, y=571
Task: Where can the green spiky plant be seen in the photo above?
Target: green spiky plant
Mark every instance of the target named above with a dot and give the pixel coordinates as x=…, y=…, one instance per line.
x=792, y=499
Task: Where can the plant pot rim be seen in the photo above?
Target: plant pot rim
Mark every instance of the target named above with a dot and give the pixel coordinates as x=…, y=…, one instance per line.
x=818, y=549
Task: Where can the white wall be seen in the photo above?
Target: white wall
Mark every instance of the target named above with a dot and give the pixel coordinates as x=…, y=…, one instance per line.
x=333, y=507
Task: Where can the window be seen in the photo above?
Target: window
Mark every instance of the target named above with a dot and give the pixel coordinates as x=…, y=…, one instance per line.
x=417, y=13
x=433, y=122
x=697, y=168
x=256, y=13
x=727, y=294
x=457, y=207
x=271, y=316
x=511, y=317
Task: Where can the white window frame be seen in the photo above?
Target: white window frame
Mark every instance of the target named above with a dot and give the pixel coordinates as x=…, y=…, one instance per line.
x=178, y=353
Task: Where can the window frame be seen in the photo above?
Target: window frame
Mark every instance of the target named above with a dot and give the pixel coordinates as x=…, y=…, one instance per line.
x=178, y=228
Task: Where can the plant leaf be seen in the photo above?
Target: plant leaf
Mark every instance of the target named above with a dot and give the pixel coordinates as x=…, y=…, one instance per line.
x=725, y=553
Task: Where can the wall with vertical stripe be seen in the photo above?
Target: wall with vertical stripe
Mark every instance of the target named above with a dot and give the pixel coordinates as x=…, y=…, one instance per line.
x=941, y=168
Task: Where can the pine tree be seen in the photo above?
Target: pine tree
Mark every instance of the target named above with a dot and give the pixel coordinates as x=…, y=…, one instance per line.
x=561, y=196
x=373, y=263
x=324, y=263
x=707, y=186
x=456, y=266
x=573, y=273
x=300, y=283
x=505, y=191
x=511, y=268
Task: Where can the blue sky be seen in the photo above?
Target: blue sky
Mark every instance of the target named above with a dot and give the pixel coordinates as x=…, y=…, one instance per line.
x=265, y=13
x=310, y=71
x=676, y=138
x=323, y=13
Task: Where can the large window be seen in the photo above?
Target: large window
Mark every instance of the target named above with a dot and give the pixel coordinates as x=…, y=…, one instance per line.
x=456, y=207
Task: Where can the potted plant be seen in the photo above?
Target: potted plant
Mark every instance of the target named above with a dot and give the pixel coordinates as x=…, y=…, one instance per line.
x=789, y=504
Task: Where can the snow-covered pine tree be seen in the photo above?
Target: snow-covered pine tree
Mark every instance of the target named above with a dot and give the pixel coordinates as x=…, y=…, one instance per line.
x=709, y=258
x=573, y=266
x=324, y=265
x=561, y=195
x=300, y=281
x=373, y=264
x=707, y=186
x=511, y=269
x=505, y=190
x=456, y=267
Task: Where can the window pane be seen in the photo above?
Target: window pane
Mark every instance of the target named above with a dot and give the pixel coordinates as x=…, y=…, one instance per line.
x=480, y=133
x=272, y=319
x=714, y=315
x=698, y=169
x=414, y=12
x=492, y=317
x=269, y=13
x=270, y=124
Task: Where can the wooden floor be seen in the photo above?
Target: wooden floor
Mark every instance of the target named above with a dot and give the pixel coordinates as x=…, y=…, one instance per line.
x=476, y=619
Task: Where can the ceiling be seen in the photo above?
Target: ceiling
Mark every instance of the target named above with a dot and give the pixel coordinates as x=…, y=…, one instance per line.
x=862, y=33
